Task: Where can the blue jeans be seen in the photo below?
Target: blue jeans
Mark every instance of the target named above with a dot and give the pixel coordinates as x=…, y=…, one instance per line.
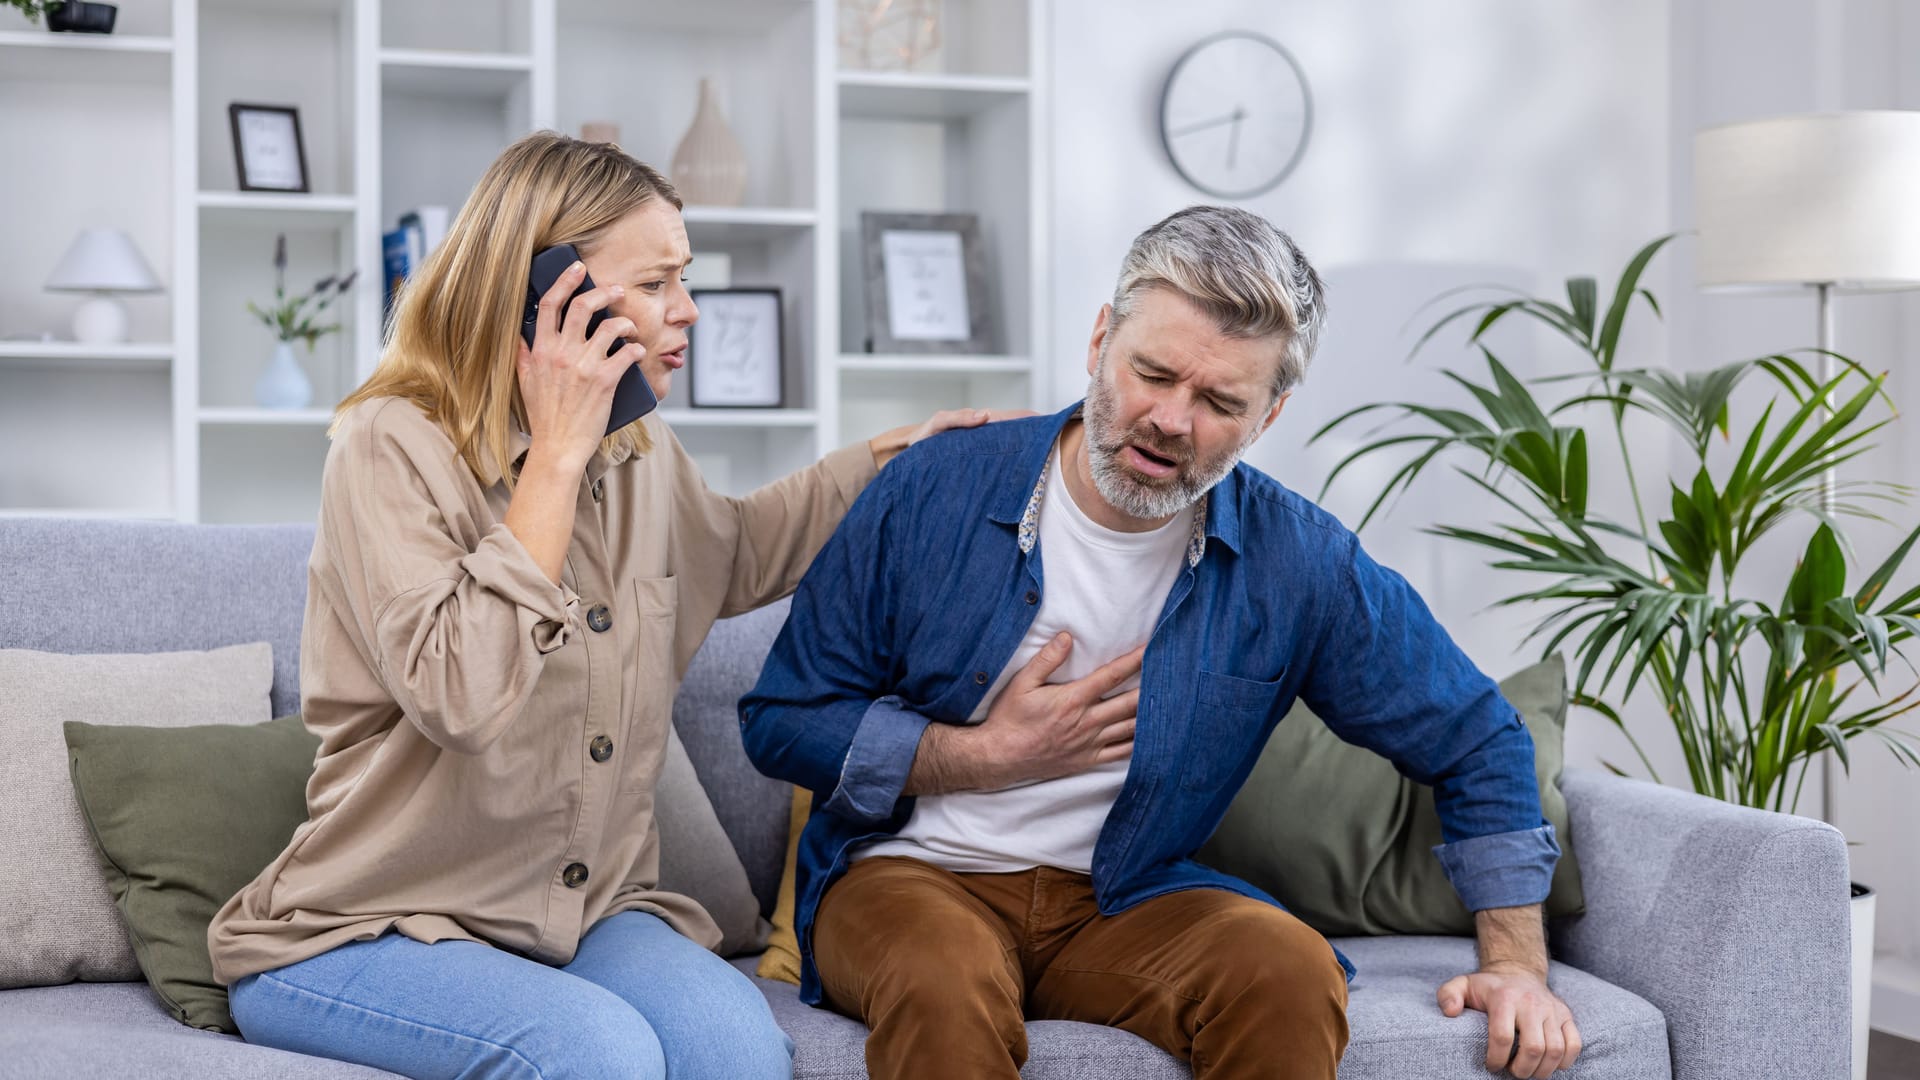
x=637, y=1001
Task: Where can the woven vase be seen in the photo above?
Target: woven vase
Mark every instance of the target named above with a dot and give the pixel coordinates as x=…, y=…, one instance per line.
x=709, y=167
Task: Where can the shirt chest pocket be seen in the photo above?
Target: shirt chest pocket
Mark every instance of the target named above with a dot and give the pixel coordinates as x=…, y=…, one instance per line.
x=647, y=660
x=1229, y=713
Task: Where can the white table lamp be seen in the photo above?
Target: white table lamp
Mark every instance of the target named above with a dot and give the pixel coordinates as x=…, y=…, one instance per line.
x=101, y=263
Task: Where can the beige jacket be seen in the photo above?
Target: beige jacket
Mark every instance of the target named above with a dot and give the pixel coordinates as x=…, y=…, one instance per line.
x=490, y=741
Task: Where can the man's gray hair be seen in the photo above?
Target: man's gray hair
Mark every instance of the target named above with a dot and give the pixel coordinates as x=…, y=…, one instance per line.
x=1248, y=276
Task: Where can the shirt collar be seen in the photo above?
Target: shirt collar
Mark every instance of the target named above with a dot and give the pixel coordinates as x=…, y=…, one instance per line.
x=1217, y=516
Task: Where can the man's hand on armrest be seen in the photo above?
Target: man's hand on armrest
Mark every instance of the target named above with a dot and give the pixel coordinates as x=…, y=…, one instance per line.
x=1034, y=730
x=1529, y=1029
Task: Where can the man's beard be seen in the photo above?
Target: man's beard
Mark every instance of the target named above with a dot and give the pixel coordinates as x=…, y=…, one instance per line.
x=1124, y=488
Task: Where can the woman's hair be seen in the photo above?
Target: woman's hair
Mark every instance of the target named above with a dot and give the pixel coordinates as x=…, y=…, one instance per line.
x=455, y=331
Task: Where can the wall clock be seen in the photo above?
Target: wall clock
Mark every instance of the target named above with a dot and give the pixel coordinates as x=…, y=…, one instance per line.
x=1235, y=114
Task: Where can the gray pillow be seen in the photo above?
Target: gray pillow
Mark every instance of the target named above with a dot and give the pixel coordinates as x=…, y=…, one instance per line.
x=58, y=922
x=696, y=858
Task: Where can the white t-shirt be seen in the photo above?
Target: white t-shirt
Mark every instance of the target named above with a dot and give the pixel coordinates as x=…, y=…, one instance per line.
x=1105, y=588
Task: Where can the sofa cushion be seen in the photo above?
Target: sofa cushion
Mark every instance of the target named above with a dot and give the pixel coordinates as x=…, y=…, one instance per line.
x=184, y=818
x=752, y=808
x=1397, y=1030
x=118, y=1029
x=1334, y=832
x=58, y=922
x=81, y=586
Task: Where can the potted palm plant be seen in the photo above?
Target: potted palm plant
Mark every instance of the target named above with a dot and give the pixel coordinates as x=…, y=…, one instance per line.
x=1756, y=688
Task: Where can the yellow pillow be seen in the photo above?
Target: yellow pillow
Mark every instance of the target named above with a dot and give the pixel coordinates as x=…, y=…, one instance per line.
x=782, y=958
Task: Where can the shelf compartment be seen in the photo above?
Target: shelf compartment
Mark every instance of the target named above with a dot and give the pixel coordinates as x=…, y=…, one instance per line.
x=440, y=74
x=937, y=364
x=871, y=95
x=269, y=210
x=39, y=56
x=740, y=418
x=257, y=417
x=73, y=356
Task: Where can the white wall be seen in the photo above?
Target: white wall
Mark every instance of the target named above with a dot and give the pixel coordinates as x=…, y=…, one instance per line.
x=1502, y=140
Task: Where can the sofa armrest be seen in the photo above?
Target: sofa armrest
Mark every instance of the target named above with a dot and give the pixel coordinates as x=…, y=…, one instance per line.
x=1733, y=922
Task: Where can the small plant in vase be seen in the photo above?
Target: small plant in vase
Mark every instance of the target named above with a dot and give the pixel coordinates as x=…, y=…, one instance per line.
x=293, y=318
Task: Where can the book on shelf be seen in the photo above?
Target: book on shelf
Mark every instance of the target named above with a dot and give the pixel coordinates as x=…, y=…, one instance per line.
x=405, y=249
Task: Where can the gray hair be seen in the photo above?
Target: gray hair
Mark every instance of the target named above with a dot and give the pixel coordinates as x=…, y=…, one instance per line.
x=1248, y=276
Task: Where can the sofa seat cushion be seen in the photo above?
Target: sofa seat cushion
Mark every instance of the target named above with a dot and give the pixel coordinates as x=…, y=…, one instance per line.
x=1396, y=1029
x=119, y=1029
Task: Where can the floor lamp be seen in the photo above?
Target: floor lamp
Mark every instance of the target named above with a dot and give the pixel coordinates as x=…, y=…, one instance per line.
x=1822, y=201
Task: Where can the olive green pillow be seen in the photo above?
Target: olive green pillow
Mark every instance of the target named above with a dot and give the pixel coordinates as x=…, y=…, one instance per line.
x=182, y=818
x=1336, y=834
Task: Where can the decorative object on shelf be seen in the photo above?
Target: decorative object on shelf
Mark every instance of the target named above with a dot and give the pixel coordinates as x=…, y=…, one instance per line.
x=284, y=385
x=1822, y=201
x=709, y=168
x=102, y=262
x=267, y=148
x=1235, y=114
x=888, y=35
x=926, y=277
x=734, y=356
x=68, y=17
x=599, y=131
x=406, y=247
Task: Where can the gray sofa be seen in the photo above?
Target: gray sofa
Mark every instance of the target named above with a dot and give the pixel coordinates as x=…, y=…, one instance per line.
x=1715, y=943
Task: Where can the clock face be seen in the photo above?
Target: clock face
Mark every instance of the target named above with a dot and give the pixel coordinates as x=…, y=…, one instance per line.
x=1235, y=114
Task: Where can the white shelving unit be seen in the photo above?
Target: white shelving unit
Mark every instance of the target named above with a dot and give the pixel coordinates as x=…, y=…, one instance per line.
x=403, y=104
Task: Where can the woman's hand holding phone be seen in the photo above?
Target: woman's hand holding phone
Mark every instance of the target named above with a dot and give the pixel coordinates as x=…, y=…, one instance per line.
x=566, y=378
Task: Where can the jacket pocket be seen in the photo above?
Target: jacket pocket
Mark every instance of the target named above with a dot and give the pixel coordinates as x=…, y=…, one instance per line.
x=650, y=682
x=1229, y=713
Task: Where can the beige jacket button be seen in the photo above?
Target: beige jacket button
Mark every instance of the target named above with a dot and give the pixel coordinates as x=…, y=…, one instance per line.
x=601, y=748
x=600, y=619
x=574, y=876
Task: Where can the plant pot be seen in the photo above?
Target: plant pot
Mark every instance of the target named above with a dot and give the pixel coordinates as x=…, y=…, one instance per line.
x=1862, y=908
x=283, y=385
x=75, y=17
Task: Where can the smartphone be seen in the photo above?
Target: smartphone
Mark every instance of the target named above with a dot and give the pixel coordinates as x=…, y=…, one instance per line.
x=632, y=397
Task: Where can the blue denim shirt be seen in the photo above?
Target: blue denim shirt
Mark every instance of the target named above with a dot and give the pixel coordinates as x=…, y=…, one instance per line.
x=922, y=596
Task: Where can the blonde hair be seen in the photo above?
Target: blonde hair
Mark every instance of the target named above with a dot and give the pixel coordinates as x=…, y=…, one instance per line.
x=1248, y=276
x=455, y=331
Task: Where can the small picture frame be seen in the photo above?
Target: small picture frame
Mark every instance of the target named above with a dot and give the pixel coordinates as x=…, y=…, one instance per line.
x=268, y=151
x=736, y=350
x=926, y=283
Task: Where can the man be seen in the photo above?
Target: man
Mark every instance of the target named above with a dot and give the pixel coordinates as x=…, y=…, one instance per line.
x=1029, y=672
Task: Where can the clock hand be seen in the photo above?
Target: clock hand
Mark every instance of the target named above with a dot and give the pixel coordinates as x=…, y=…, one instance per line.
x=1229, y=118
x=1233, y=138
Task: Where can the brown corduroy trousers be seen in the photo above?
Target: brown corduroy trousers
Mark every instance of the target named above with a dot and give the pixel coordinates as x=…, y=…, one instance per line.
x=945, y=969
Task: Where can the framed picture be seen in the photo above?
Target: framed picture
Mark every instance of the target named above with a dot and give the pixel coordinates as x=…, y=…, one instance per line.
x=734, y=356
x=267, y=149
x=926, y=283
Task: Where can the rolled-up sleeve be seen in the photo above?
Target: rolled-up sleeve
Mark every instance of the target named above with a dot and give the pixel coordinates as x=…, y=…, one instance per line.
x=874, y=772
x=1510, y=869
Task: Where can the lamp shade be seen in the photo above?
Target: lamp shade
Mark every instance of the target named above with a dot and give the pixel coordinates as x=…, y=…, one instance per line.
x=1819, y=198
x=102, y=260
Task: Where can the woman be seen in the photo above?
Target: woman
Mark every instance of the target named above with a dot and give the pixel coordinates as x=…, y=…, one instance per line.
x=501, y=602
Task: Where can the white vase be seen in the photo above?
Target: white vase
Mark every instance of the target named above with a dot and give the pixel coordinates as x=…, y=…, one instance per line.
x=1862, y=907
x=283, y=385
x=709, y=168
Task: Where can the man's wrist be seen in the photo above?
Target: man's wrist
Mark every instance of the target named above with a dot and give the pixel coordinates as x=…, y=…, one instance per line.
x=952, y=758
x=1512, y=940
